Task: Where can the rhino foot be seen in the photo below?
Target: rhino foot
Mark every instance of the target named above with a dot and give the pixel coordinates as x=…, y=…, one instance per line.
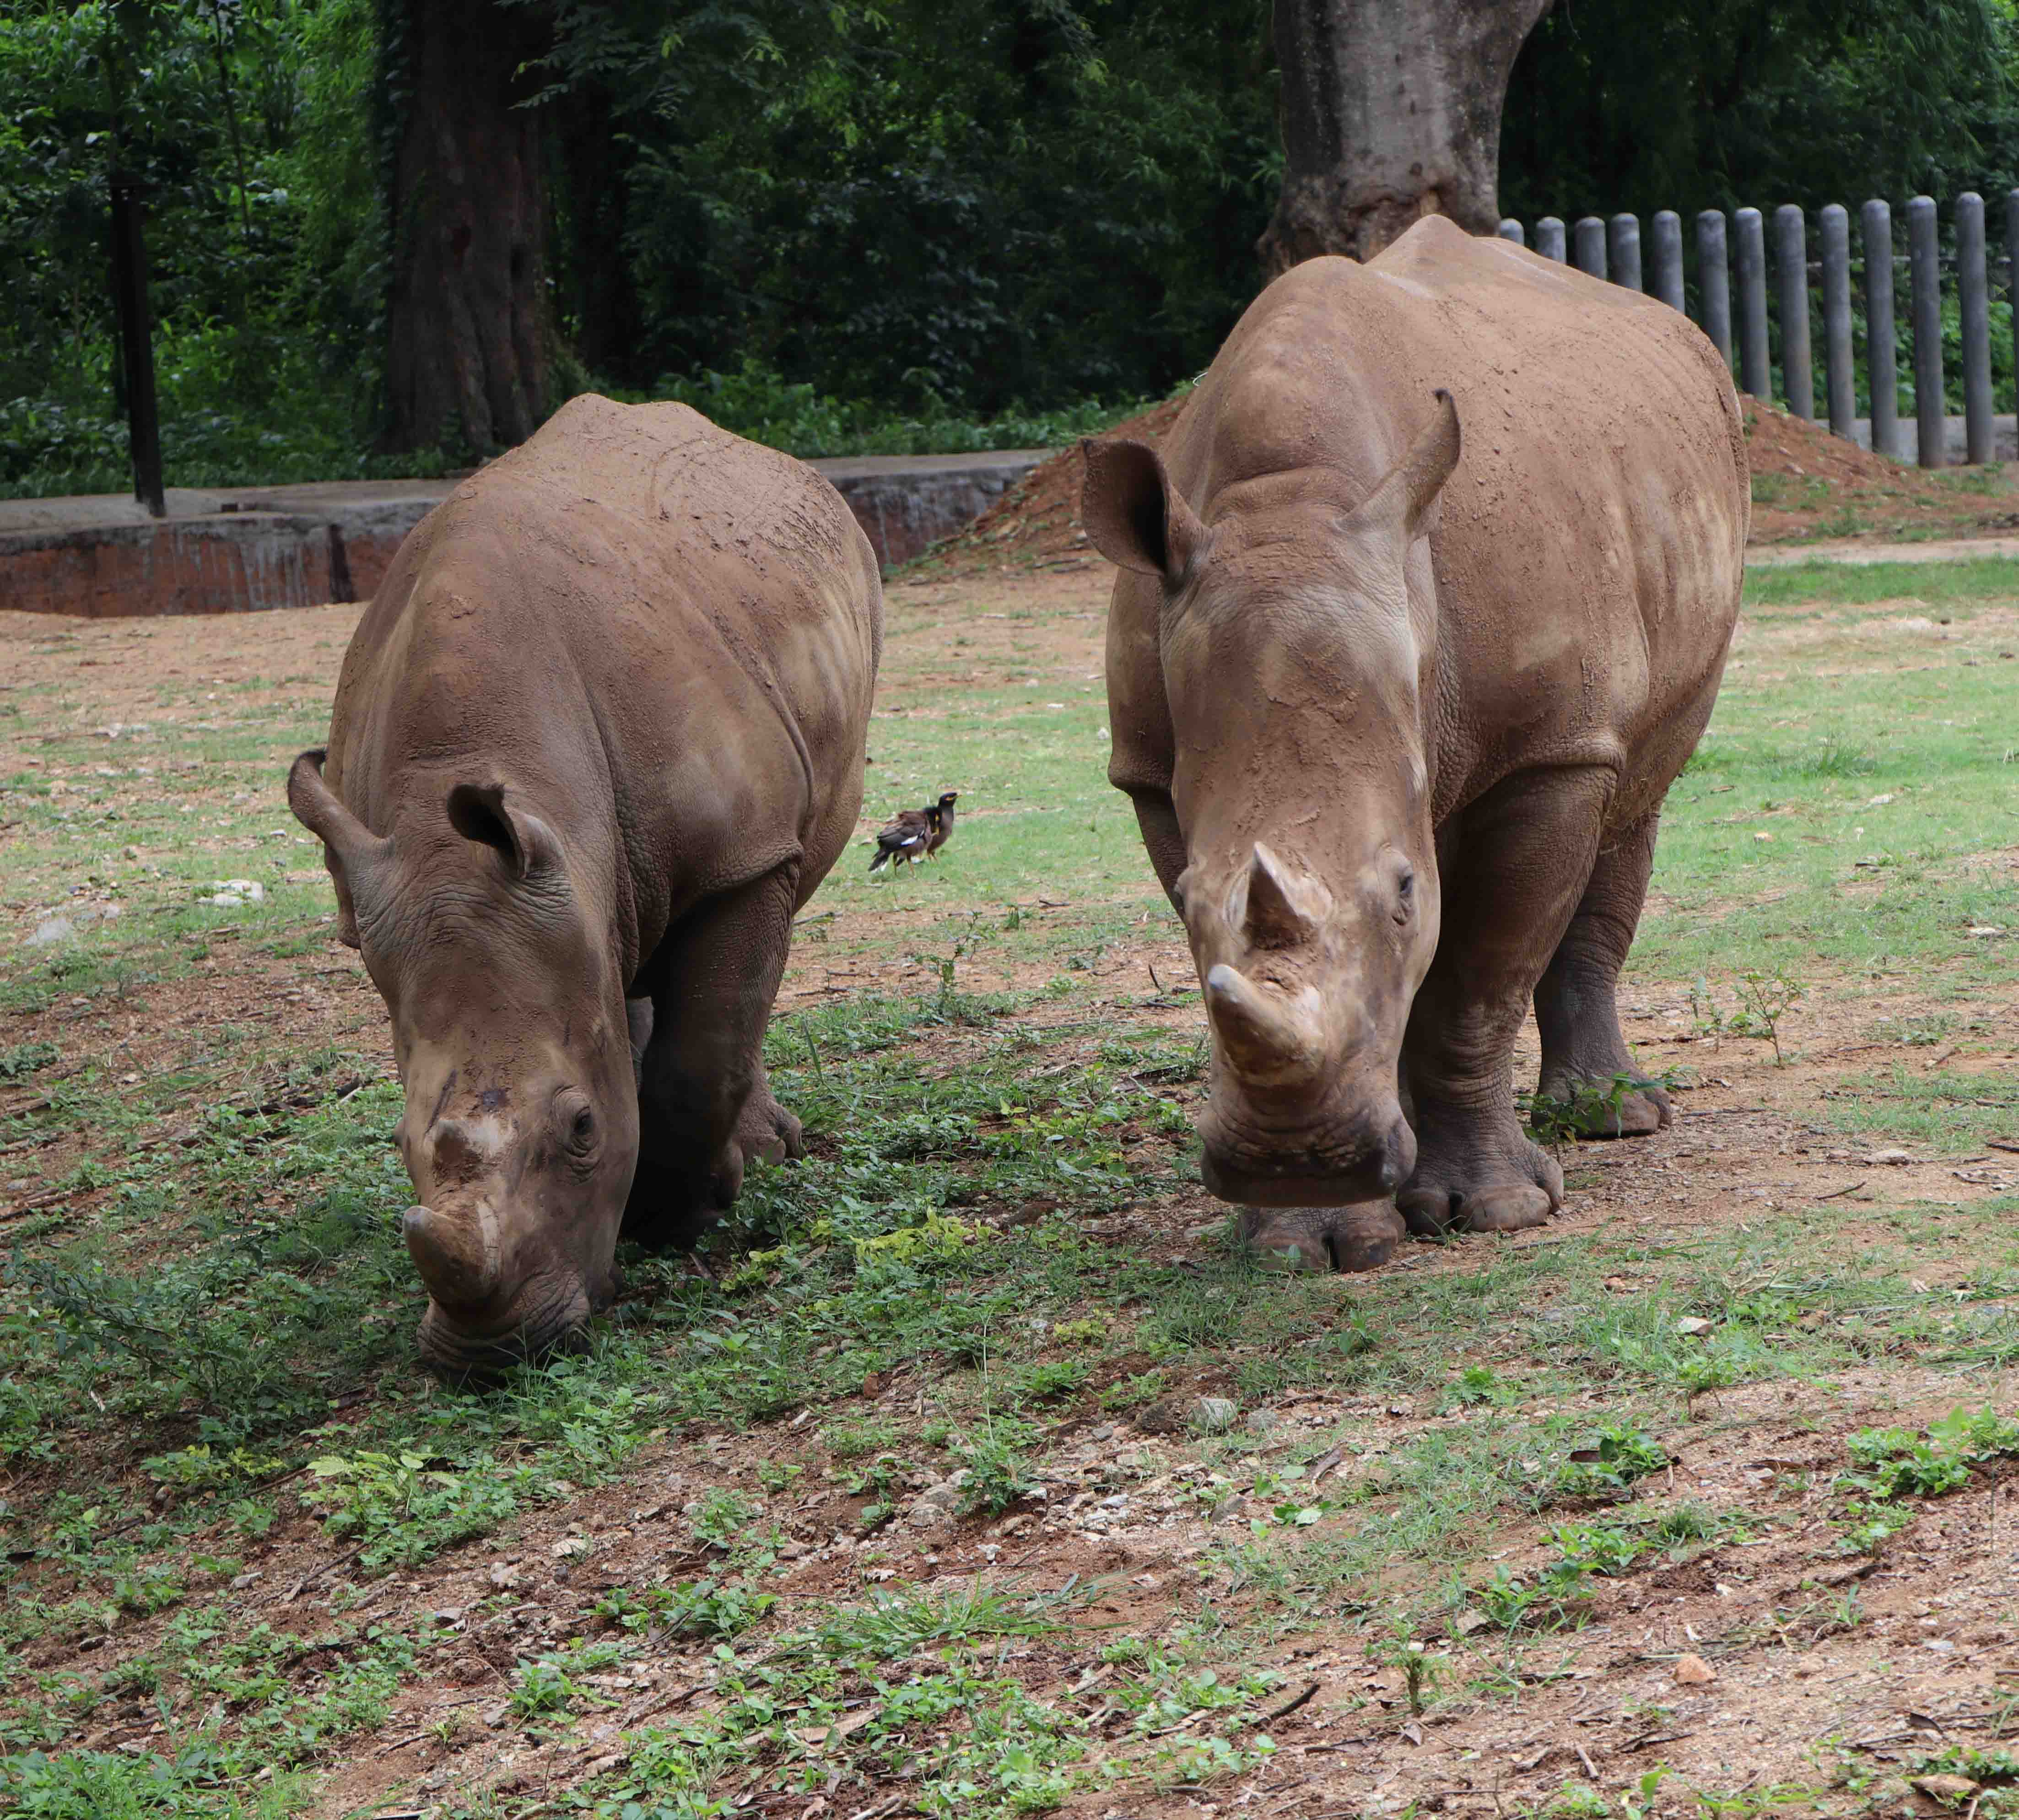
x=1473, y=1180
x=1624, y=1105
x=766, y=1130
x=1360, y=1238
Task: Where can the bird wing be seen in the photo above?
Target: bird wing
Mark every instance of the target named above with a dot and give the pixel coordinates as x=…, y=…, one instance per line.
x=906, y=832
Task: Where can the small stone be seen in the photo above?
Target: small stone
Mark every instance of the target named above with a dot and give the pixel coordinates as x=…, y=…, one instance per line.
x=1164, y=1417
x=1892, y=1158
x=1694, y=1326
x=1182, y=1414
x=504, y=1575
x=570, y=1548
x=51, y=930
x=934, y=1506
x=1693, y=1671
x=1946, y=1788
x=1263, y=1422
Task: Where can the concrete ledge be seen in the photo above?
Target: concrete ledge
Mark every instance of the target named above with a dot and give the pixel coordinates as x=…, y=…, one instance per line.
x=101, y=557
x=235, y=550
x=1955, y=439
x=907, y=502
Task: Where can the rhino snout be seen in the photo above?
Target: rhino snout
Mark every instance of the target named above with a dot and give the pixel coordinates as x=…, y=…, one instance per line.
x=548, y=1318
x=1332, y=1165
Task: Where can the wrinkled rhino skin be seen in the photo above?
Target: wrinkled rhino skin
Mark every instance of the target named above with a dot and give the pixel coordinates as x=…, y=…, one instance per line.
x=1422, y=609
x=599, y=736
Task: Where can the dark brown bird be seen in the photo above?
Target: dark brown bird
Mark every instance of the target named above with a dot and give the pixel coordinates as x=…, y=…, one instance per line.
x=915, y=834
x=941, y=814
x=904, y=839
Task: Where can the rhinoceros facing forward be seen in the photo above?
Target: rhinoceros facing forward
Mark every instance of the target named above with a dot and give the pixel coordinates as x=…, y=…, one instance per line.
x=1398, y=721
x=598, y=737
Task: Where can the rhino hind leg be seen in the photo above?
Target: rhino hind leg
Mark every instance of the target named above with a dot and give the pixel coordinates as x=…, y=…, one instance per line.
x=706, y=1107
x=1590, y=1083
x=1514, y=868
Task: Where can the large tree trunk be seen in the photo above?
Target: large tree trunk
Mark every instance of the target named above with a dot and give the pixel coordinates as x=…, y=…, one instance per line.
x=468, y=332
x=1390, y=112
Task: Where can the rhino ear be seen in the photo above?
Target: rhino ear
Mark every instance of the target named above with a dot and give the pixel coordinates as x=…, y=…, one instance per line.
x=485, y=813
x=1409, y=492
x=357, y=858
x=1133, y=515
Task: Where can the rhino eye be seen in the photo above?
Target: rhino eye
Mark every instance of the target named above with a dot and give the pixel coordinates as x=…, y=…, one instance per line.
x=577, y=1122
x=1406, y=896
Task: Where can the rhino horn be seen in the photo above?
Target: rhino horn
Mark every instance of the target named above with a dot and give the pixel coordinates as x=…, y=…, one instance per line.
x=1263, y=1037
x=456, y=1253
x=1281, y=912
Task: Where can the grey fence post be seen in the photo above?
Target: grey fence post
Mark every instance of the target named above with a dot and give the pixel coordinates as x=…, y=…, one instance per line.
x=1791, y=257
x=2012, y=262
x=1879, y=330
x=1971, y=291
x=1754, y=374
x=1590, y=254
x=1714, y=280
x=1550, y=238
x=1840, y=380
x=1623, y=250
x=1511, y=229
x=1926, y=304
x=1668, y=258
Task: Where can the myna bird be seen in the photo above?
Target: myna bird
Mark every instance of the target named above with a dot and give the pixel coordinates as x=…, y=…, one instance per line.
x=915, y=834
x=904, y=839
x=941, y=816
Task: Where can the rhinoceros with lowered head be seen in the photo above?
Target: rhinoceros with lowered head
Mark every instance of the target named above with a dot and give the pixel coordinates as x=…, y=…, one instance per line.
x=1424, y=604
x=598, y=737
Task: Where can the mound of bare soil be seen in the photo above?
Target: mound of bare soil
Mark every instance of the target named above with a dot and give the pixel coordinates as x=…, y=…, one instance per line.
x=1805, y=483
x=1035, y=525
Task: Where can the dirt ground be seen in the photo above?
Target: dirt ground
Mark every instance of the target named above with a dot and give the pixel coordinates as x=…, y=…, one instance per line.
x=1789, y=1686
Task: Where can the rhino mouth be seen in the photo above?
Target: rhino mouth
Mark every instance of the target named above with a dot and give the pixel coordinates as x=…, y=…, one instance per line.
x=555, y=1321
x=1319, y=1175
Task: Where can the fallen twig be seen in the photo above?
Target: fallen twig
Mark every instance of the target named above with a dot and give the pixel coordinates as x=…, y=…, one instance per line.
x=1290, y=1706
x=36, y=1202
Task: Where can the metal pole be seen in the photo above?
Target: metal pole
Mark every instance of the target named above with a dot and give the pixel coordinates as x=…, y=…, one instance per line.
x=2012, y=264
x=1880, y=370
x=1591, y=246
x=1511, y=229
x=1624, y=250
x=1973, y=292
x=1668, y=259
x=1549, y=237
x=1926, y=304
x=1754, y=375
x=1714, y=280
x=1839, y=375
x=1791, y=258
x=136, y=351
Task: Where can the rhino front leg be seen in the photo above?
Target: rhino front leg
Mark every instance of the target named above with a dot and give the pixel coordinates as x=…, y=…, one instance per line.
x=1589, y=1078
x=705, y=1105
x=1514, y=867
